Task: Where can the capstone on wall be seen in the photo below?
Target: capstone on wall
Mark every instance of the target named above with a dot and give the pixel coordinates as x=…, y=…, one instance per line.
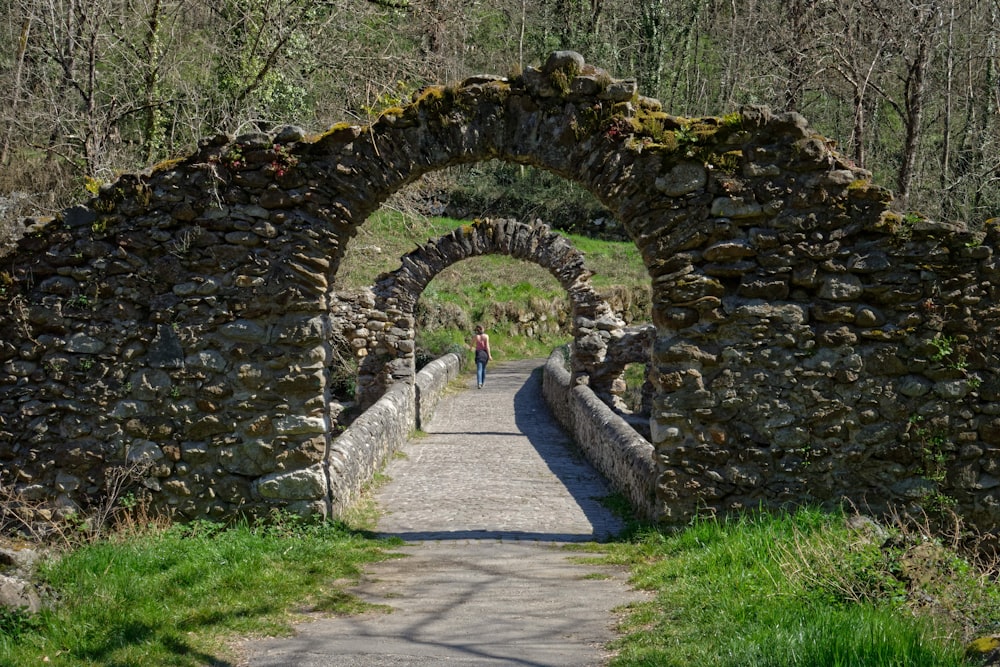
x=810, y=344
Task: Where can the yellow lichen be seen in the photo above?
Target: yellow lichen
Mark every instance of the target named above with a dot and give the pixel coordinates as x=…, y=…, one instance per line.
x=338, y=132
x=166, y=165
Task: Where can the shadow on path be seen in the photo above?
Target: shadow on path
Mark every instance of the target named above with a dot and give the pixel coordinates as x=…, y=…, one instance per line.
x=495, y=464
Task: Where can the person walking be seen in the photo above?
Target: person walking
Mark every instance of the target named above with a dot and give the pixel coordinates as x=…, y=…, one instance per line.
x=481, y=346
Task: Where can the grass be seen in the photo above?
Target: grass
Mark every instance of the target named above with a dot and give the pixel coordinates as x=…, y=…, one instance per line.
x=174, y=596
x=802, y=590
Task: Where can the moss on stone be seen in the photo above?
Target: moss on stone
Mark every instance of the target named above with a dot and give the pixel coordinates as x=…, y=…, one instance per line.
x=890, y=222
x=392, y=111
x=732, y=120
x=336, y=132
x=436, y=102
x=103, y=204
x=167, y=165
x=561, y=78
x=561, y=81
x=728, y=162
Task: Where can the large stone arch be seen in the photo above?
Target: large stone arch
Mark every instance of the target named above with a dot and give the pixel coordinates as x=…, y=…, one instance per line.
x=594, y=323
x=810, y=343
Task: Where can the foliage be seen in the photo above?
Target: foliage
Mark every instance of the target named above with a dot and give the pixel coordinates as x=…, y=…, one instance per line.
x=525, y=193
x=94, y=91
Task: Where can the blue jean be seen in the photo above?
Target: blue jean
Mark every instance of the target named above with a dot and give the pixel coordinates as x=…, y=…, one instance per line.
x=480, y=372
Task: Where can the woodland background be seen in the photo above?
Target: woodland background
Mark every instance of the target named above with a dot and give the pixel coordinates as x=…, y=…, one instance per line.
x=93, y=88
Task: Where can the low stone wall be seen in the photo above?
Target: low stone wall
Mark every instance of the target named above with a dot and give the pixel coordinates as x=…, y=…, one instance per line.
x=609, y=443
x=360, y=450
x=357, y=454
x=431, y=382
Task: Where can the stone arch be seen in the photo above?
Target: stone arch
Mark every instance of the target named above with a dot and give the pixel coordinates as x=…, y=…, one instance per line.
x=182, y=316
x=396, y=293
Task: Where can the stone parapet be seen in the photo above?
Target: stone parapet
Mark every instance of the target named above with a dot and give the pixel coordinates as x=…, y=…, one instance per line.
x=431, y=382
x=360, y=450
x=625, y=458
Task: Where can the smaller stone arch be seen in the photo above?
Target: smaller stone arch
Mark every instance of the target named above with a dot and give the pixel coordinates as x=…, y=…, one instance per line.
x=392, y=358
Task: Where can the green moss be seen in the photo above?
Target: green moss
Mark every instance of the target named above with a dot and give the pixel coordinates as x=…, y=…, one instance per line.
x=433, y=97
x=338, y=128
x=700, y=130
x=562, y=78
x=893, y=223
x=984, y=645
x=732, y=120
x=103, y=204
x=392, y=111
x=339, y=133
x=728, y=162
x=436, y=102
x=560, y=81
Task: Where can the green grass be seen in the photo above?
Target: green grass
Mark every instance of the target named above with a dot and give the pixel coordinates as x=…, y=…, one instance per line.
x=172, y=597
x=796, y=591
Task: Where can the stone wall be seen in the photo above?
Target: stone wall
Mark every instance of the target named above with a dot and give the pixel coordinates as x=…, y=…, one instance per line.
x=811, y=344
x=842, y=362
x=431, y=382
x=361, y=449
x=625, y=458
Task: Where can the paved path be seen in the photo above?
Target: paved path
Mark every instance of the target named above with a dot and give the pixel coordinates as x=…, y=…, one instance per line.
x=485, y=501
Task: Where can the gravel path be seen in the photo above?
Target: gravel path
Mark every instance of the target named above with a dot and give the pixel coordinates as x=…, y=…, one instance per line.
x=486, y=500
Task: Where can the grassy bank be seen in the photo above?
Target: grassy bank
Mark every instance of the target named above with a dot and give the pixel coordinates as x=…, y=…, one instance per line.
x=808, y=590
x=178, y=595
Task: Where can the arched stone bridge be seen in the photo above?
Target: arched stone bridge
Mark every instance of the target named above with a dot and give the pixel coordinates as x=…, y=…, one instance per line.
x=810, y=344
x=594, y=323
